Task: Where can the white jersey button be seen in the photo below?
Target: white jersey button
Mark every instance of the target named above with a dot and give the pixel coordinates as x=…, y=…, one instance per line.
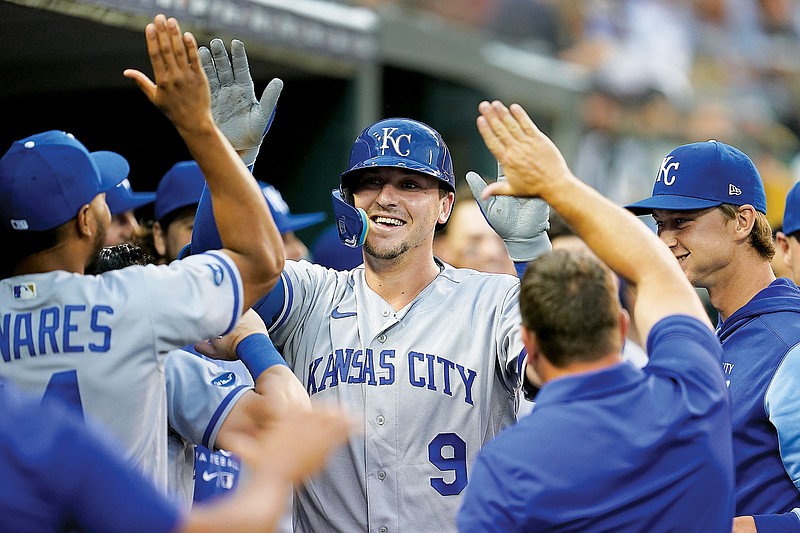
x=385, y=313
x=380, y=420
x=383, y=529
x=382, y=476
x=382, y=338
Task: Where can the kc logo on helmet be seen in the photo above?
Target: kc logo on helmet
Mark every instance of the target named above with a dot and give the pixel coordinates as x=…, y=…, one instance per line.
x=665, y=169
x=390, y=138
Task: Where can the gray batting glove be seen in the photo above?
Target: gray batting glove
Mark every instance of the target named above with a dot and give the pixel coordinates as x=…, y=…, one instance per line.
x=521, y=222
x=242, y=119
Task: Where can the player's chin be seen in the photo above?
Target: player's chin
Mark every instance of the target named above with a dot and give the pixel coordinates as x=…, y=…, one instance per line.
x=384, y=251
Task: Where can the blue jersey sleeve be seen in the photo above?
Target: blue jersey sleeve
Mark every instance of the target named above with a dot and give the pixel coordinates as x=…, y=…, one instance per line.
x=58, y=474
x=489, y=495
x=782, y=405
x=684, y=346
x=273, y=305
x=778, y=523
x=205, y=235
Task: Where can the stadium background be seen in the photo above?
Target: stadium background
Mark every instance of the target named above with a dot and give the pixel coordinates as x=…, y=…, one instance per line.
x=627, y=78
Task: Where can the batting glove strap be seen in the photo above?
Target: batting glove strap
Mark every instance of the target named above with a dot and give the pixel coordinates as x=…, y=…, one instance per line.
x=258, y=353
x=525, y=250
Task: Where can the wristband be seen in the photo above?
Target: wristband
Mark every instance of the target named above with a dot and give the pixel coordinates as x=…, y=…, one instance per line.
x=258, y=354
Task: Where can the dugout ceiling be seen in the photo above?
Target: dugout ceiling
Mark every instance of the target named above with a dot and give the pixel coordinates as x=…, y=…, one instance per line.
x=343, y=67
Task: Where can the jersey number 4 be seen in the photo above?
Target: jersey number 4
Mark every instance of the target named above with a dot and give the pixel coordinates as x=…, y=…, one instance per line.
x=64, y=386
x=448, y=453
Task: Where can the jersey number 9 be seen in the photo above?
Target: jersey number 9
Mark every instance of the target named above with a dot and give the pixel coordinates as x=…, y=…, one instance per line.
x=456, y=461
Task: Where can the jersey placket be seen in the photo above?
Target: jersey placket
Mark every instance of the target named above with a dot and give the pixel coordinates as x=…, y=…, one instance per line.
x=380, y=409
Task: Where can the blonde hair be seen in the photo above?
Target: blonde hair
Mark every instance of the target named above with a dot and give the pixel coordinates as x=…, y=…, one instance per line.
x=760, y=237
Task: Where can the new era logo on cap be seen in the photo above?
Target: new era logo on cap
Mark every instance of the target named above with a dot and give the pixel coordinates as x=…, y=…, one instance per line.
x=702, y=175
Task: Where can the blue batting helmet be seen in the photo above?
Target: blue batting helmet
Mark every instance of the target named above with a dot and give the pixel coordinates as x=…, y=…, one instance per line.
x=401, y=143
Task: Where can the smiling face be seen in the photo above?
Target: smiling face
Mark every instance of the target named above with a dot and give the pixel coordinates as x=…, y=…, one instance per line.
x=403, y=208
x=702, y=241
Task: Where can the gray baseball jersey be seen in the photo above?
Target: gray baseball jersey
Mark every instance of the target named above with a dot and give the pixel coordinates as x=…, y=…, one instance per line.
x=99, y=342
x=434, y=381
x=200, y=394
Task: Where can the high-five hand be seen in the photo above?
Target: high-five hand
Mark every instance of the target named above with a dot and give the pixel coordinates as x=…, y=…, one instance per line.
x=530, y=159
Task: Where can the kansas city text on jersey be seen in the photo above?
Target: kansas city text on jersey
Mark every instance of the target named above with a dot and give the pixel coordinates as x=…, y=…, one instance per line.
x=429, y=371
x=67, y=329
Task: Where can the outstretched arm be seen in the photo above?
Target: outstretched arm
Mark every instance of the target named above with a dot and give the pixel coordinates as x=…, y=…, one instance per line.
x=278, y=393
x=534, y=167
x=181, y=91
x=290, y=451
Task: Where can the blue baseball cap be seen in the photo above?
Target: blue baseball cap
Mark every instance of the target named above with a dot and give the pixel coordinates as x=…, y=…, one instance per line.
x=283, y=217
x=46, y=178
x=702, y=175
x=122, y=198
x=791, y=214
x=180, y=187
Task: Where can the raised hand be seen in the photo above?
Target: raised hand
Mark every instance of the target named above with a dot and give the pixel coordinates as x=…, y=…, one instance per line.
x=180, y=89
x=530, y=159
x=521, y=222
x=242, y=119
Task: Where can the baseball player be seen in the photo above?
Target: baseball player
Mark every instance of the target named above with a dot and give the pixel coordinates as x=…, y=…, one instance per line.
x=710, y=209
x=426, y=353
x=212, y=403
x=122, y=201
x=59, y=475
x=177, y=196
x=657, y=455
x=788, y=239
x=99, y=342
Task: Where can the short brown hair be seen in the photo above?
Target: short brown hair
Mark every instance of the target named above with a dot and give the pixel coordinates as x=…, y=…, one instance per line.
x=760, y=237
x=569, y=300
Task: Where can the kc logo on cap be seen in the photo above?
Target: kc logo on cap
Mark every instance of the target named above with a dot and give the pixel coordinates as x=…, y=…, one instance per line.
x=663, y=172
x=702, y=175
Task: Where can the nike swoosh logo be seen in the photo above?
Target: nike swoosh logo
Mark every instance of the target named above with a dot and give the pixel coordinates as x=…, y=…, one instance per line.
x=336, y=314
x=208, y=476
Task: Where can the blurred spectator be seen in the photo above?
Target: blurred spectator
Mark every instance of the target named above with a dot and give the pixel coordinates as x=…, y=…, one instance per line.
x=177, y=196
x=468, y=241
x=788, y=239
x=122, y=202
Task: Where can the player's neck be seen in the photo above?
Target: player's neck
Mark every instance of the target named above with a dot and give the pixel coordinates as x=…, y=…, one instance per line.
x=746, y=279
x=60, y=257
x=399, y=282
x=549, y=372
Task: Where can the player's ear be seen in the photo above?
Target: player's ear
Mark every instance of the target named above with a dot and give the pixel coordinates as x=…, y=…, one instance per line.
x=624, y=325
x=159, y=239
x=83, y=221
x=782, y=242
x=745, y=220
x=446, y=210
x=533, y=357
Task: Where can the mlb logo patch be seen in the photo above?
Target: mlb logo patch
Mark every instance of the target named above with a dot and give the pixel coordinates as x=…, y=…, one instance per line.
x=24, y=291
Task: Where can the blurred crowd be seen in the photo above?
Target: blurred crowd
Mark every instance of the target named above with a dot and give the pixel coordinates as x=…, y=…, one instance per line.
x=663, y=72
